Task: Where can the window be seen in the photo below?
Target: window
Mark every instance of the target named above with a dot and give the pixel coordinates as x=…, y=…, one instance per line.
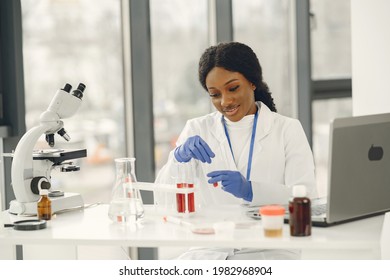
x=331, y=65
x=67, y=42
x=264, y=26
x=331, y=39
x=179, y=31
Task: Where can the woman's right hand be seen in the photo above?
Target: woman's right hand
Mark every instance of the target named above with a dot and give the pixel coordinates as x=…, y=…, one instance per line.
x=194, y=147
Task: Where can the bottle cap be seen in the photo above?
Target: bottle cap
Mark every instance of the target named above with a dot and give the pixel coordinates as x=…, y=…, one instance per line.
x=299, y=191
x=272, y=210
x=43, y=192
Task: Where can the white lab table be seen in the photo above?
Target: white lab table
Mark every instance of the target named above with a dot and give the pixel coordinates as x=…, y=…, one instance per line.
x=92, y=227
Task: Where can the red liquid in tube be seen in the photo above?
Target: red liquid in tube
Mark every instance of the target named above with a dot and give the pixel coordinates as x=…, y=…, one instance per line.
x=180, y=200
x=185, y=202
x=191, y=200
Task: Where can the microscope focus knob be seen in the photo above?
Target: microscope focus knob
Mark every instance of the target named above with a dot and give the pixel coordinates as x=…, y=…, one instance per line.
x=38, y=183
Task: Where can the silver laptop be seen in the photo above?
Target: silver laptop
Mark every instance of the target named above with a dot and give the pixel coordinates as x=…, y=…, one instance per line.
x=359, y=169
x=358, y=173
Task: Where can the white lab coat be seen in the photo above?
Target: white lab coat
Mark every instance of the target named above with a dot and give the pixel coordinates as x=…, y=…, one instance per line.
x=281, y=158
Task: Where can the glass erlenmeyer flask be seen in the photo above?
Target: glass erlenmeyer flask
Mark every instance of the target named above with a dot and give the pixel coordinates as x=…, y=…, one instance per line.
x=126, y=202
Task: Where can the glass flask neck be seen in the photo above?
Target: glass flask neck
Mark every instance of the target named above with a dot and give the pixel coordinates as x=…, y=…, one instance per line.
x=125, y=170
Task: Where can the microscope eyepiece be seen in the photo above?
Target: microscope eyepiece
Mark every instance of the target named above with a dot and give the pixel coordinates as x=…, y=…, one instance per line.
x=67, y=88
x=81, y=87
x=79, y=91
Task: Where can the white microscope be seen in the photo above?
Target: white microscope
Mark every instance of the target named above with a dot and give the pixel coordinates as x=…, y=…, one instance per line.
x=31, y=169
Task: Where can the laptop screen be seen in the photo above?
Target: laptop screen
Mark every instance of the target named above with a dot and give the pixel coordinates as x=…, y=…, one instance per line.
x=359, y=167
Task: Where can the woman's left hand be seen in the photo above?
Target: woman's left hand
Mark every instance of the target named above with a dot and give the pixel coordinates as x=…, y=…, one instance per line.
x=232, y=182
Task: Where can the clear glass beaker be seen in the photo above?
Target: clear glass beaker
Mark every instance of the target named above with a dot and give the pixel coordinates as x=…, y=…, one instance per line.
x=126, y=204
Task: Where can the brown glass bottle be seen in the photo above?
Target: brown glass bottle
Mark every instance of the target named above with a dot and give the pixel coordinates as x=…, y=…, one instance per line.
x=44, y=206
x=300, y=212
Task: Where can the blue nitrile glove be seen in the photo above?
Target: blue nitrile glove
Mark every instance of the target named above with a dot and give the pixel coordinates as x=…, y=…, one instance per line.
x=232, y=182
x=194, y=147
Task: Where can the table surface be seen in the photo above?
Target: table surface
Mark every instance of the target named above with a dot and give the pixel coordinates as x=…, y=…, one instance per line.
x=92, y=226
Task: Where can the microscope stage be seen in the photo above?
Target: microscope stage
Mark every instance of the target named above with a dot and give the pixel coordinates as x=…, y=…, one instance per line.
x=58, y=155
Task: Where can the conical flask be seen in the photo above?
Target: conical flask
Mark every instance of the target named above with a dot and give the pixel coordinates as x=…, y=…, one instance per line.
x=126, y=202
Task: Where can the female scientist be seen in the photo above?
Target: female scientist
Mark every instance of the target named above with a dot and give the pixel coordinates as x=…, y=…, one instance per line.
x=254, y=154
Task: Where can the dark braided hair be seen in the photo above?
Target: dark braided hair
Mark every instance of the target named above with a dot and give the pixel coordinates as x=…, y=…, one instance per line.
x=236, y=57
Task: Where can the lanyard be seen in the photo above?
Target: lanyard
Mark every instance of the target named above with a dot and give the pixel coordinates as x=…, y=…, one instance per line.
x=249, y=167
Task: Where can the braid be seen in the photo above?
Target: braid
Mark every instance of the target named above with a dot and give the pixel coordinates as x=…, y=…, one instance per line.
x=264, y=95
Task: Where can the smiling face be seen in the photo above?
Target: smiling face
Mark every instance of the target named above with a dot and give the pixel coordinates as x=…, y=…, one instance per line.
x=231, y=93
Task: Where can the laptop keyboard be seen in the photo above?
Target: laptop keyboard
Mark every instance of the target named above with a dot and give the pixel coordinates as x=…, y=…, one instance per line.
x=319, y=209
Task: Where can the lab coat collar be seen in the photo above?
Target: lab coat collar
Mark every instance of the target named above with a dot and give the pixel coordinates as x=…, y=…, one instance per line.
x=264, y=124
x=218, y=129
x=265, y=121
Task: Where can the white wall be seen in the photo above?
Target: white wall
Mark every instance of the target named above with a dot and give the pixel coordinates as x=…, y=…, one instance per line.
x=370, y=20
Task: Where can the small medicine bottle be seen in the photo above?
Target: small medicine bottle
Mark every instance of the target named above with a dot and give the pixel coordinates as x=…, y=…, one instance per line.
x=300, y=212
x=44, y=205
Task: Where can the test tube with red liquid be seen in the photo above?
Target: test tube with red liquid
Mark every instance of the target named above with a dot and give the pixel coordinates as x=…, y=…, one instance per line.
x=185, y=179
x=191, y=199
x=180, y=199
